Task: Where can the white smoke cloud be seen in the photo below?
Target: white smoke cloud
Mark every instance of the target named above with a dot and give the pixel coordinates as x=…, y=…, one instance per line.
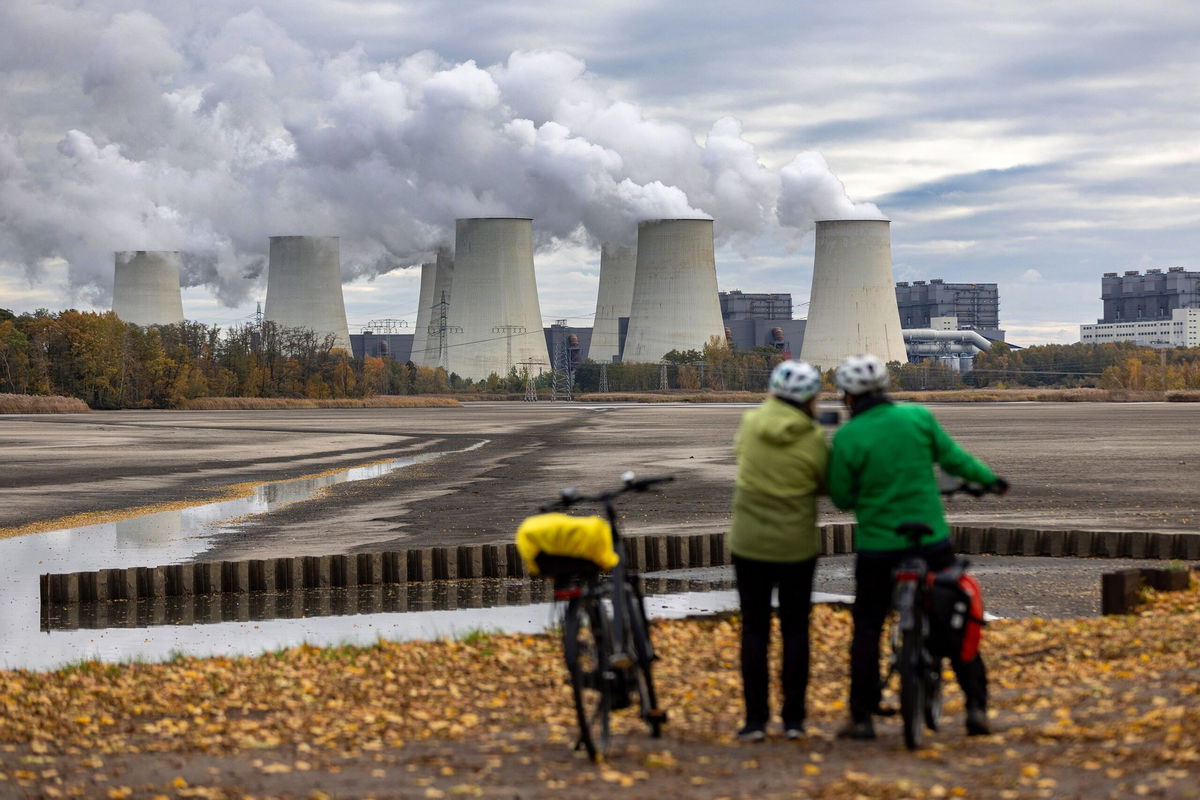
x=210, y=137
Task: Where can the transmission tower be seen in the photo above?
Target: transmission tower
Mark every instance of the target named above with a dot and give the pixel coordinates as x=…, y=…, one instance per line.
x=662, y=376
x=530, y=390
x=563, y=375
x=441, y=331
x=603, y=377
x=509, y=331
x=258, y=317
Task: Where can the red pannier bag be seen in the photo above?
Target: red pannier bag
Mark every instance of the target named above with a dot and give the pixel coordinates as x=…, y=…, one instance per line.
x=957, y=611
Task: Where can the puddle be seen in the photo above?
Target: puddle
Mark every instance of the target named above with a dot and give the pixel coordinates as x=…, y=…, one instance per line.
x=251, y=624
x=165, y=537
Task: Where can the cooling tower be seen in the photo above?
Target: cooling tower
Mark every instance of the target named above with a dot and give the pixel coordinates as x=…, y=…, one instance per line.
x=675, y=305
x=852, y=307
x=495, y=319
x=617, y=268
x=436, y=279
x=146, y=287
x=304, y=286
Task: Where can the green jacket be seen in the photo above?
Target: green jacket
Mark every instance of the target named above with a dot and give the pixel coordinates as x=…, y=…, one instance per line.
x=881, y=466
x=782, y=457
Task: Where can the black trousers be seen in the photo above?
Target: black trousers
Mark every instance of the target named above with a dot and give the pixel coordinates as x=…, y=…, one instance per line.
x=755, y=580
x=872, y=602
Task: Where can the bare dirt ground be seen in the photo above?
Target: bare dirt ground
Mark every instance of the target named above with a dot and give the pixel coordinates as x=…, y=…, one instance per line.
x=1092, y=466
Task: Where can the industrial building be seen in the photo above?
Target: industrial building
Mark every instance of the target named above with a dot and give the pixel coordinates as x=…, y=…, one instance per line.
x=146, y=287
x=614, y=301
x=1153, y=296
x=852, y=306
x=974, y=306
x=761, y=320
x=304, y=286
x=1181, y=330
x=675, y=304
x=384, y=338
x=495, y=319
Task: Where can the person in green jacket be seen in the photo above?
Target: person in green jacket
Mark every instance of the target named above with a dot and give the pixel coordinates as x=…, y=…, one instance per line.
x=781, y=458
x=882, y=466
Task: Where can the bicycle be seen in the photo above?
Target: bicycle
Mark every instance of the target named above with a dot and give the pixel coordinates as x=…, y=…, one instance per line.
x=606, y=637
x=918, y=648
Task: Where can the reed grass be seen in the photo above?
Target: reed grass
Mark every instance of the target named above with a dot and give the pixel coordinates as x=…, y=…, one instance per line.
x=262, y=403
x=41, y=404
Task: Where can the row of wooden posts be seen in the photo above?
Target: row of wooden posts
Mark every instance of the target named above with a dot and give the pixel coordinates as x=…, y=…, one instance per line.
x=649, y=553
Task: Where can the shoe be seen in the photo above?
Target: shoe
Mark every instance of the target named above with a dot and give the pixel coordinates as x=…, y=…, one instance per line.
x=977, y=722
x=793, y=730
x=857, y=730
x=752, y=733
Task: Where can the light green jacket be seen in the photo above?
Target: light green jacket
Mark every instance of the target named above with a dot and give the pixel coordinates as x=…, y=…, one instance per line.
x=781, y=457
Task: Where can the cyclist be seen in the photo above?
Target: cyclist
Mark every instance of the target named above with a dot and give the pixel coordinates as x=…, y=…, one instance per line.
x=782, y=458
x=882, y=466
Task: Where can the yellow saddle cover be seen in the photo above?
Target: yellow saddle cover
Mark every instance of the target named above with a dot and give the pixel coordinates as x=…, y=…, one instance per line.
x=560, y=534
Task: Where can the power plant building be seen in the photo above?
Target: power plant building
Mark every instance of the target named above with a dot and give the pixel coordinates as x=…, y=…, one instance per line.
x=304, y=286
x=974, y=306
x=1158, y=309
x=675, y=304
x=852, y=307
x=614, y=301
x=1154, y=296
x=761, y=320
x=146, y=287
x=437, y=278
x=495, y=319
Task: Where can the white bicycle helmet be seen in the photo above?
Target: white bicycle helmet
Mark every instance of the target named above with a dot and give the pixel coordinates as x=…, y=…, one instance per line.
x=797, y=381
x=861, y=374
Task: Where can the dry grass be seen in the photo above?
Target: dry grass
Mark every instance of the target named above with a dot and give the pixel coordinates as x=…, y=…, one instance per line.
x=260, y=403
x=1046, y=396
x=683, y=396
x=41, y=404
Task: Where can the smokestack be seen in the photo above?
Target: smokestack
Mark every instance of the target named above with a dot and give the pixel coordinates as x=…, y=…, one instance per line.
x=614, y=300
x=495, y=319
x=436, y=280
x=852, y=307
x=675, y=304
x=304, y=286
x=146, y=287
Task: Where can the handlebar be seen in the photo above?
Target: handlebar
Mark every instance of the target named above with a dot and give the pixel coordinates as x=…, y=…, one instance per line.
x=569, y=496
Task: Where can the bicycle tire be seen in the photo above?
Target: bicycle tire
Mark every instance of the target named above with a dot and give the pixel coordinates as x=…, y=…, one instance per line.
x=933, y=695
x=639, y=635
x=912, y=685
x=586, y=647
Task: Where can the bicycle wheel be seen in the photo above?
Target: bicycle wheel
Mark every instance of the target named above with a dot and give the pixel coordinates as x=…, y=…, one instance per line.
x=912, y=685
x=585, y=646
x=643, y=650
x=933, y=694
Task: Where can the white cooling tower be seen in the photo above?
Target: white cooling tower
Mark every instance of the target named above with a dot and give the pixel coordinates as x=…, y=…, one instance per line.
x=436, y=280
x=675, y=305
x=614, y=300
x=146, y=287
x=495, y=319
x=304, y=286
x=421, y=333
x=852, y=307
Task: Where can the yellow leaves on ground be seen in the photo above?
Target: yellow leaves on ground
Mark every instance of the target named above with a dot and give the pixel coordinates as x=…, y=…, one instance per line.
x=1100, y=692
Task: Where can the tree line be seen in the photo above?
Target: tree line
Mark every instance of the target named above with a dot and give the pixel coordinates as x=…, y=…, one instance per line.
x=109, y=363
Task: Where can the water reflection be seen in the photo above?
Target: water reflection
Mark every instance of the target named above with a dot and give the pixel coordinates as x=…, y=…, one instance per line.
x=166, y=537
x=380, y=599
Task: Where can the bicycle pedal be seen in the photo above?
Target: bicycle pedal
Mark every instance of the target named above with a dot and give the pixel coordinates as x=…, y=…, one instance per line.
x=621, y=661
x=656, y=715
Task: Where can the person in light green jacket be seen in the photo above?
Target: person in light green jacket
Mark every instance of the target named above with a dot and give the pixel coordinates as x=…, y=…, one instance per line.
x=781, y=458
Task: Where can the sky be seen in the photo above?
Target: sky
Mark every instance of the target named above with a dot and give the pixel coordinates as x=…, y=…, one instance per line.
x=1031, y=144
